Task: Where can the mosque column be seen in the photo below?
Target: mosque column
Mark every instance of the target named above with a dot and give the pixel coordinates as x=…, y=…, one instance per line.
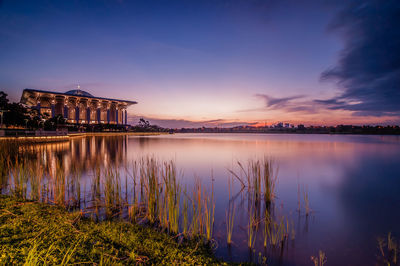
x=116, y=115
x=88, y=114
x=66, y=108
x=38, y=106
x=77, y=112
x=98, y=114
x=108, y=113
x=126, y=116
x=53, y=107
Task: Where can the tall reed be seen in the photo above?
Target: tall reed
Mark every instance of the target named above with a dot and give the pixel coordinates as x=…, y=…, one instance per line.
x=209, y=211
x=230, y=214
x=230, y=219
x=149, y=170
x=261, y=176
x=270, y=176
x=112, y=191
x=36, y=175
x=251, y=226
x=388, y=249
x=319, y=260
x=59, y=184
x=19, y=179
x=306, y=201
x=197, y=219
x=172, y=195
x=185, y=213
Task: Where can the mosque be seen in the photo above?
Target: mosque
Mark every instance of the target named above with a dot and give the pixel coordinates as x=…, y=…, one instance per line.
x=78, y=106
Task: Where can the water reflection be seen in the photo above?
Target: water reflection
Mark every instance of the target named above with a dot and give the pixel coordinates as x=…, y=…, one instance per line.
x=353, y=184
x=80, y=153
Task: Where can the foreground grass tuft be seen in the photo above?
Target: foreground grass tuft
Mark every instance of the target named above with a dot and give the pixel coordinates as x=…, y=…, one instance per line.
x=37, y=233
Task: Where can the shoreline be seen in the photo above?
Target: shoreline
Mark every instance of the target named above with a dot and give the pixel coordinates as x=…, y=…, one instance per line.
x=59, y=138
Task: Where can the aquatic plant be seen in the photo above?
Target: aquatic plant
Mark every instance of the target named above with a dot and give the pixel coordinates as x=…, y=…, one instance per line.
x=319, y=260
x=209, y=211
x=172, y=195
x=112, y=191
x=275, y=231
x=149, y=171
x=197, y=218
x=388, y=249
x=19, y=179
x=185, y=213
x=230, y=219
x=251, y=226
x=35, y=180
x=261, y=177
x=270, y=176
x=306, y=201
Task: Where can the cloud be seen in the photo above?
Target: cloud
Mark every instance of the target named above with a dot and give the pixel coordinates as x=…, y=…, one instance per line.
x=289, y=104
x=368, y=69
x=277, y=103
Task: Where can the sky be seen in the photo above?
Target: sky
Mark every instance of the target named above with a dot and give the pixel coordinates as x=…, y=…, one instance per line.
x=212, y=62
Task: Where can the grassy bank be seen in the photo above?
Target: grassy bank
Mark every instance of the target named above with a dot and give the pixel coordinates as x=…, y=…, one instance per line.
x=39, y=233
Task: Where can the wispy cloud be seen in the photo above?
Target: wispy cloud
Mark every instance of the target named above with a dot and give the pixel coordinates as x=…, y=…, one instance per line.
x=278, y=103
x=295, y=103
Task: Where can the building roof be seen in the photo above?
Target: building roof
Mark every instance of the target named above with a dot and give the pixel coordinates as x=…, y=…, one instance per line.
x=78, y=93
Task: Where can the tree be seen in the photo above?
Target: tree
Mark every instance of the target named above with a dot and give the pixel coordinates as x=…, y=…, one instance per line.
x=143, y=123
x=54, y=122
x=16, y=114
x=3, y=100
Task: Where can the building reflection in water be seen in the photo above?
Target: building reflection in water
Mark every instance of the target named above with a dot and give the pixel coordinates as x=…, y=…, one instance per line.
x=80, y=154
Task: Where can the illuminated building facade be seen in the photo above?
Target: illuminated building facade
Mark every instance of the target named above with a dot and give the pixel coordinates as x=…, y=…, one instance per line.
x=78, y=106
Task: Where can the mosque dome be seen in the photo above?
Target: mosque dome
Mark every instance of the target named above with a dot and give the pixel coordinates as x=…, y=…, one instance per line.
x=79, y=93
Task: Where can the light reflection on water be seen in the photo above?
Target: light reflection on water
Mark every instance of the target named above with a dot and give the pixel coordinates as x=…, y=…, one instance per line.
x=353, y=184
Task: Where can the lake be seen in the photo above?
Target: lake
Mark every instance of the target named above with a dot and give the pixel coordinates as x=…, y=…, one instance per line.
x=352, y=184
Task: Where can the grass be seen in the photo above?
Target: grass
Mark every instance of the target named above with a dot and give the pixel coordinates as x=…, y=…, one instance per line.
x=37, y=233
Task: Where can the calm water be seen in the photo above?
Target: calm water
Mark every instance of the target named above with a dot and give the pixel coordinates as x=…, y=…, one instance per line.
x=353, y=184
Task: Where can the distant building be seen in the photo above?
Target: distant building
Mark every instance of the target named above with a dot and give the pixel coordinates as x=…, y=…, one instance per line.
x=78, y=106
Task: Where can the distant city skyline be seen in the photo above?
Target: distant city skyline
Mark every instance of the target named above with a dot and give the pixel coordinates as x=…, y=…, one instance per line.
x=211, y=63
